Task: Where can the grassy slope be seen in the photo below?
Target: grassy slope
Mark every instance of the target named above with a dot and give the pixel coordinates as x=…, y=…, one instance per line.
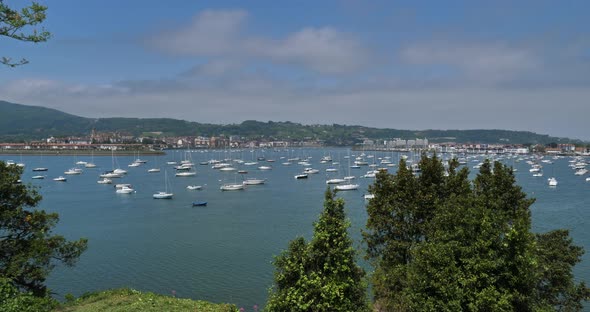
x=130, y=300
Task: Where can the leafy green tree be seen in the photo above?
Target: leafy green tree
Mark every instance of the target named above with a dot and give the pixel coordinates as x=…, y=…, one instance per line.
x=556, y=255
x=321, y=275
x=28, y=249
x=13, y=22
x=440, y=242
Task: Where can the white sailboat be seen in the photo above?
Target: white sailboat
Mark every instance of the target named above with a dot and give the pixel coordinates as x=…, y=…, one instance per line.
x=253, y=181
x=346, y=187
x=91, y=163
x=165, y=194
x=232, y=187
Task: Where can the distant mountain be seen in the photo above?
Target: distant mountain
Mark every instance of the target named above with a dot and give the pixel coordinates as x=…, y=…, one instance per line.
x=21, y=122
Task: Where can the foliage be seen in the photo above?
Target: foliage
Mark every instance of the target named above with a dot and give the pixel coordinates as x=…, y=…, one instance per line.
x=130, y=300
x=439, y=242
x=28, y=249
x=13, y=300
x=321, y=275
x=18, y=122
x=12, y=22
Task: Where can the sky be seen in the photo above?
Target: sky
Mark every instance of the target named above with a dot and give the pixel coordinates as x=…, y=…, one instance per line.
x=516, y=65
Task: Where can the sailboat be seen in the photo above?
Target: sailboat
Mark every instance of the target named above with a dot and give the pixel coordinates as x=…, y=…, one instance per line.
x=349, y=177
x=155, y=169
x=232, y=186
x=165, y=194
x=349, y=186
x=91, y=163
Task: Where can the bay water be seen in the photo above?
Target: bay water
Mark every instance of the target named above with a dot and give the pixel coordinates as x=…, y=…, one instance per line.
x=223, y=252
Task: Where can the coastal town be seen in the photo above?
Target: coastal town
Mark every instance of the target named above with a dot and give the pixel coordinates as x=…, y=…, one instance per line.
x=107, y=142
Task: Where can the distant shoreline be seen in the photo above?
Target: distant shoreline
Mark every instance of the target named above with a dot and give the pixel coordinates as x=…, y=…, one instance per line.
x=78, y=152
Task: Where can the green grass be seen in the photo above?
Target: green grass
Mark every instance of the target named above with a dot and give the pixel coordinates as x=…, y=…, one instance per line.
x=130, y=300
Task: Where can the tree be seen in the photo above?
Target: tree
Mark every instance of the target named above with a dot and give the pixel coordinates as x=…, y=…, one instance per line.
x=28, y=249
x=321, y=275
x=440, y=242
x=12, y=22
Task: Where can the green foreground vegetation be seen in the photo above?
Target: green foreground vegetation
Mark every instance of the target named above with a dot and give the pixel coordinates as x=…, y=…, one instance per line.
x=130, y=300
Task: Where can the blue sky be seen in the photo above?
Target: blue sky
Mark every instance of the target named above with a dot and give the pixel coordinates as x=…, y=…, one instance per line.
x=521, y=65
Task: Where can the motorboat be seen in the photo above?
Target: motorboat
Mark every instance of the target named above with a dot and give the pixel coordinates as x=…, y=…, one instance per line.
x=301, y=176
x=89, y=165
x=105, y=181
x=265, y=168
x=125, y=190
x=552, y=181
x=153, y=170
x=311, y=171
x=73, y=171
x=194, y=187
x=110, y=175
x=122, y=185
x=369, y=196
x=201, y=203
x=120, y=171
x=60, y=179
x=40, y=169
x=38, y=177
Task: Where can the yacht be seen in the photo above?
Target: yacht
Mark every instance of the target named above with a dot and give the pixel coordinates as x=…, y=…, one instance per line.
x=110, y=175
x=582, y=171
x=552, y=181
x=346, y=187
x=125, y=190
x=73, y=171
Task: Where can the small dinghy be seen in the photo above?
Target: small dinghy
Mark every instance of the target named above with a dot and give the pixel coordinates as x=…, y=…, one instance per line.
x=199, y=204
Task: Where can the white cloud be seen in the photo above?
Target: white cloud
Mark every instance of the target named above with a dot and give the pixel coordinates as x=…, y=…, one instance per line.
x=481, y=61
x=219, y=34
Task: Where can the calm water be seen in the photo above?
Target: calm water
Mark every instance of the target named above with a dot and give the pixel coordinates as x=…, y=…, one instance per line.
x=223, y=252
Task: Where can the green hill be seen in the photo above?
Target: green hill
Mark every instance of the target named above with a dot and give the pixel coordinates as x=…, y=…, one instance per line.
x=20, y=123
